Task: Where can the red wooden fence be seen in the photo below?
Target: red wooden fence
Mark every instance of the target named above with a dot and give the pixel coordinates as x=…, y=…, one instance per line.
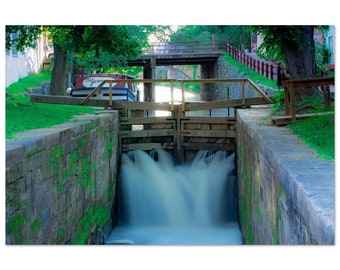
x=265, y=68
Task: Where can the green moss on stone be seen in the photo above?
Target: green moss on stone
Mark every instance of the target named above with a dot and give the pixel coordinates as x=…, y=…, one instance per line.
x=60, y=235
x=58, y=152
x=108, y=149
x=34, y=152
x=74, y=157
x=276, y=233
x=36, y=225
x=96, y=216
x=14, y=227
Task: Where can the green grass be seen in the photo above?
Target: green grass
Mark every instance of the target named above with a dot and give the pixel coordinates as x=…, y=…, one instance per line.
x=318, y=133
x=250, y=74
x=23, y=115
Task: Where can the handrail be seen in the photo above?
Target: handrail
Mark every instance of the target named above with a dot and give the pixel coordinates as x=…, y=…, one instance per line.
x=94, y=91
x=182, y=82
x=289, y=91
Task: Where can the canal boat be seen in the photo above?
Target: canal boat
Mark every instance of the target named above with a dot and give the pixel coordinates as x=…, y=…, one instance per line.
x=84, y=84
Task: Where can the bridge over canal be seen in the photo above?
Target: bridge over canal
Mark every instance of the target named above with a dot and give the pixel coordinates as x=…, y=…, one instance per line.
x=208, y=56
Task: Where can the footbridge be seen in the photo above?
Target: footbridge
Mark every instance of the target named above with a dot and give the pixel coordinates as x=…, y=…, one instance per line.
x=207, y=56
x=179, y=126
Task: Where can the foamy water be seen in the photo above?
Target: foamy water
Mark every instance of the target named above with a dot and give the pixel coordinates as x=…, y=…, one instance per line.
x=164, y=203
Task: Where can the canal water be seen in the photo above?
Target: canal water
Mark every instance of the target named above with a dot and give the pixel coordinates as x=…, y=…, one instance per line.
x=165, y=203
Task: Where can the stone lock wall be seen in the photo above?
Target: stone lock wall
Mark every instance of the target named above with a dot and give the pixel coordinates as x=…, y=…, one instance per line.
x=286, y=194
x=60, y=182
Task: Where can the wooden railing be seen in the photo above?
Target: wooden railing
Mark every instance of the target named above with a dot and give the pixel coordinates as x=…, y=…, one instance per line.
x=289, y=94
x=265, y=68
x=171, y=106
x=185, y=106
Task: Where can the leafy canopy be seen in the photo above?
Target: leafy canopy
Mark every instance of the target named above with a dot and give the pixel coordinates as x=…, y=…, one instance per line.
x=96, y=47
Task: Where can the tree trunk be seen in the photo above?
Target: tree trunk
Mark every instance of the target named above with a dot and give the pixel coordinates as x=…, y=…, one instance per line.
x=301, y=61
x=59, y=75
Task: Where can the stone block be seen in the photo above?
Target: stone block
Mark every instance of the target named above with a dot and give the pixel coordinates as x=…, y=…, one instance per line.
x=51, y=178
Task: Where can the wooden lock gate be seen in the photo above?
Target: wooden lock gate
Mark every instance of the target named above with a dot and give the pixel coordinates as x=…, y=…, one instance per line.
x=182, y=136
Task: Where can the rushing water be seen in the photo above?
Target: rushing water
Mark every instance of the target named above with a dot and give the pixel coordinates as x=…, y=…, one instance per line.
x=164, y=203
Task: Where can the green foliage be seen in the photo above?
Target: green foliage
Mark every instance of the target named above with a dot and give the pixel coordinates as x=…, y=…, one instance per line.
x=279, y=101
x=96, y=47
x=142, y=32
x=279, y=39
x=274, y=36
x=322, y=55
x=236, y=35
x=318, y=133
x=191, y=33
x=133, y=71
x=25, y=36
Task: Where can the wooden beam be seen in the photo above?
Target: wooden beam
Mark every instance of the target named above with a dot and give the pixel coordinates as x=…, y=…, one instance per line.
x=145, y=120
x=208, y=120
x=116, y=104
x=310, y=82
x=72, y=101
x=286, y=119
x=151, y=106
x=209, y=133
x=220, y=104
x=85, y=100
x=208, y=146
x=146, y=133
x=145, y=146
x=260, y=91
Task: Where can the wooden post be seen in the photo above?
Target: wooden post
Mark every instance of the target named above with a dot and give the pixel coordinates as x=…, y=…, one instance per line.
x=271, y=72
x=243, y=93
x=178, y=150
x=183, y=97
x=172, y=95
x=292, y=101
x=286, y=99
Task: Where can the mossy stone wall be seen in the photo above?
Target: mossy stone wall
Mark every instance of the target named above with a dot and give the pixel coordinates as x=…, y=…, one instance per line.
x=60, y=182
x=286, y=194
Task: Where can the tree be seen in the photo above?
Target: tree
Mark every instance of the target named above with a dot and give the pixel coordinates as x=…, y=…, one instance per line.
x=296, y=45
x=102, y=46
x=235, y=35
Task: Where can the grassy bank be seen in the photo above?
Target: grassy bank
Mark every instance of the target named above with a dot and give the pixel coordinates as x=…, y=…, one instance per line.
x=250, y=74
x=23, y=115
x=316, y=132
